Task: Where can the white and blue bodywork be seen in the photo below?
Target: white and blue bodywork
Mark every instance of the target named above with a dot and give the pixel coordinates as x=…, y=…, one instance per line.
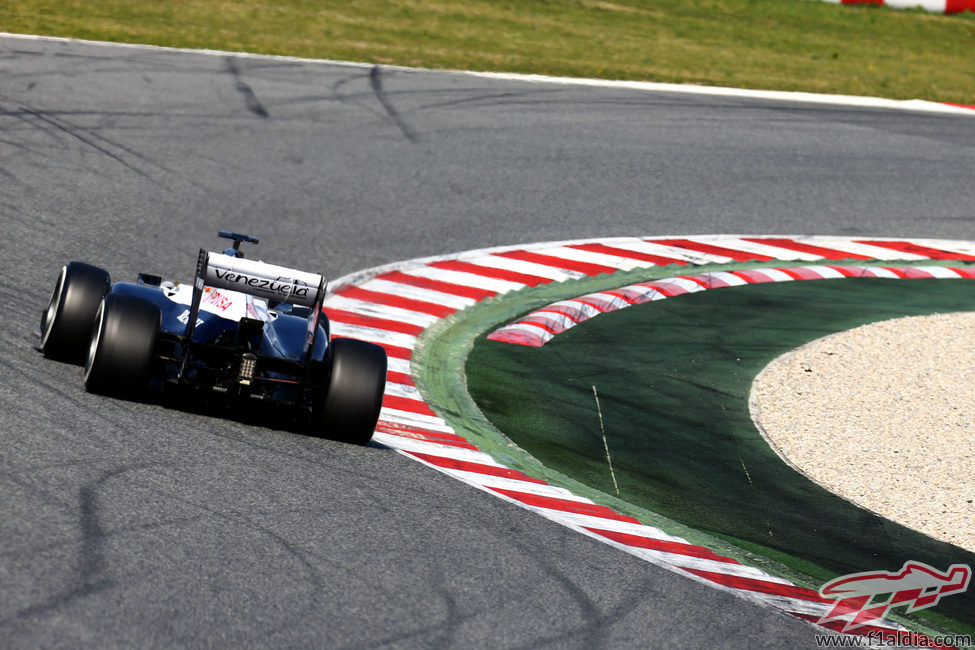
x=242, y=328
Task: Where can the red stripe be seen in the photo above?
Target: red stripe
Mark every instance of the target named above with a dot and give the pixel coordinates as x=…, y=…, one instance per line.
x=478, y=468
x=446, y=443
x=740, y=256
x=418, y=433
x=707, y=281
x=667, y=546
x=898, y=271
x=518, y=337
x=624, y=252
x=437, y=285
x=490, y=272
x=850, y=271
x=569, y=309
x=554, y=503
x=550, y=325
x=399, y=378
x=391, y=300
x=669, y=289
x=394, y=351
x=597, y=303
x=350, y=318
x=801, y=273
x=924, y=251
x=754, y=276
x=912, y=273
x=956, y=7
x=760, y=586
x=558, y=262
x=630, y=295
x=792, y=245
x=406, y=404
x=965, y=273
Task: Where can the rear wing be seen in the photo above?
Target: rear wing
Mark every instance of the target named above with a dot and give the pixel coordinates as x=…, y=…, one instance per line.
x=269, y=281
x=274, y=283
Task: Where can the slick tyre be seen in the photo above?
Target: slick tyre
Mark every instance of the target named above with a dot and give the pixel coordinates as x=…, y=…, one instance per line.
x=67, y=322
x=349, y=409
x=122, y=346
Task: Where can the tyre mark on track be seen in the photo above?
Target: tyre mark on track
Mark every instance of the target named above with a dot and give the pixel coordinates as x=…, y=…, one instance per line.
x=89, y=573
x=253, y=104
x=56, y=125
x=53, y=125
x=85, y=137
x=92, y=568
x=376, y=83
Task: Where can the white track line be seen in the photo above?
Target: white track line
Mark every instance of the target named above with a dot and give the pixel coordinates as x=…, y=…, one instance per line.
x=917, y=105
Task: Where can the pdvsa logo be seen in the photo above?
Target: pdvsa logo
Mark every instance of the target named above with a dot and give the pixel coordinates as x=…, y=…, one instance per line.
x=868, y=596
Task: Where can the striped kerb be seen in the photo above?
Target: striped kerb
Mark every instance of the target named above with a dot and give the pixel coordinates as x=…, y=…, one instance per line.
x=396, y=304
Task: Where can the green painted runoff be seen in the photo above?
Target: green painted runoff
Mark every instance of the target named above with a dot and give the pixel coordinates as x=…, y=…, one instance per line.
x=673, y=379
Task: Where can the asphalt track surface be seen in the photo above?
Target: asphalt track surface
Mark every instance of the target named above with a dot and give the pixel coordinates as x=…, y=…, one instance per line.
x=130, y=524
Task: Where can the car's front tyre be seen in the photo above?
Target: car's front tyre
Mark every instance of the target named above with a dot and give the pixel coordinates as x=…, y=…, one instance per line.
x=122, y=345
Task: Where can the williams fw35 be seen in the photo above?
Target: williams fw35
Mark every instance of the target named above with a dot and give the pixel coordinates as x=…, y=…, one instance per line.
x=246, y=331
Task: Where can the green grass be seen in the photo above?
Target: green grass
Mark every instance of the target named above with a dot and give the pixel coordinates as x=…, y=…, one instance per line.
x=798, y=45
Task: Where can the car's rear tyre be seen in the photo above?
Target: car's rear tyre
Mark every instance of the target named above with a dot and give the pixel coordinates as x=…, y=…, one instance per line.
x=349, y=409
x=122, y=345
x=67, y=322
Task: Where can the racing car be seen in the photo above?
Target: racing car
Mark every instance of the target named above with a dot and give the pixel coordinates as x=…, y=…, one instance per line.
x=242, y=330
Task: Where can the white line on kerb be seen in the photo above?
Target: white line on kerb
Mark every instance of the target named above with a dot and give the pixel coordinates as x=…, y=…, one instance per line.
x=602, y=429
